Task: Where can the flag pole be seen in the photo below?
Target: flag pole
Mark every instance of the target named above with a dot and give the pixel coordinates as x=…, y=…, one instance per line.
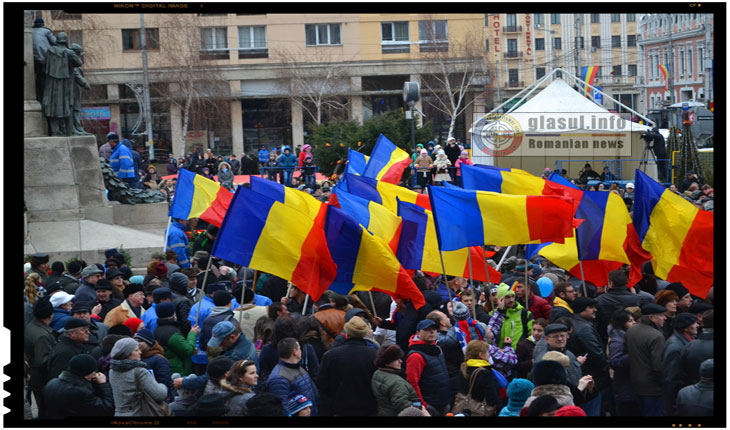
x=471, y=285
x=167, y=232
x=205, y=278
x=443, y=268
x=255, y=279
x=580, y=262
x=504, y=256
x=372, y=302
x=243, y=291
x=304, y=309
x=527, y=285
x=489, y=283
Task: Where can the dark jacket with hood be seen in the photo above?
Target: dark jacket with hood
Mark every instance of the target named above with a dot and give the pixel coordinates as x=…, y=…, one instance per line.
x=155, y=359
x=618, y=359
x=71, y=395
x=613, y=299
x=412, y=316
x=62, y=354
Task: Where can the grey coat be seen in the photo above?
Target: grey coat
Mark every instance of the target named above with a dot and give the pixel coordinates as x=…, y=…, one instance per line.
x=645, y=344
x=671, y=358
x=122, y=381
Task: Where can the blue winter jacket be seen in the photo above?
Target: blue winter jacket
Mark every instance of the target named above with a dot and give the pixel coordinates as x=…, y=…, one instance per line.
x=288, y=162
x=263, y=156
x=122, y=162
x=205, y=306
x=59, y=318
x=149, y=318
x=178, y=242
x=286, y=378
x=136, y=158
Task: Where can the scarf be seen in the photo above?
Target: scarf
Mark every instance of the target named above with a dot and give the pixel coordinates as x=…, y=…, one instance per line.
x=463, y=333
x=474, y=362
x=562, y=303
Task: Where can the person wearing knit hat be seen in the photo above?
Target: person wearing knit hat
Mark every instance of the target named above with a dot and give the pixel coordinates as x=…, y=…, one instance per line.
x=644, y=343
x=90, y=275
x=581, y=303
x=79, y=391
x=517, y=392
x=62, y=303
x=218, y=369
x=299, y=406
x=356, y=328
x=570, y=411
x=392, y=392
x=516, y=321
x=123, y=348
x=137, y=279
x=130, y=308
x=412, y=411
x=685, y=331
x=134, y=324
x=463, y=159
x=684, y=298
x=465, y=330
x=543, y=406
x=146, y=336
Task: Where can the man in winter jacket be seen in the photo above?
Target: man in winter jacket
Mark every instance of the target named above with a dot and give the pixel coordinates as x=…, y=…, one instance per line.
x=122, y=162
x=645, y=344
x=698, y=400
x=38, y=343
x=585, y=341
x=411, y=317
x=154, y=355
x=426, y=368
x=556, y=339
x=227, y=335
x=517, y=321
x=235, y=165
x=131, y=307
x=197, y=315
x=86, y=293
x=288, y=376
x=563, y=295
x=70, y=344
x=699, y=350
x=330, y=316
x=178, y=241
x=79, y=391
x=98, y=329
x=288, y=162
x=685, y=330
x=178, y=347
x=137, y=161
x=345, y=374
x=104, y=291
x=221, y=311
x=617, y=296
x=263, y=155
x=159, y=295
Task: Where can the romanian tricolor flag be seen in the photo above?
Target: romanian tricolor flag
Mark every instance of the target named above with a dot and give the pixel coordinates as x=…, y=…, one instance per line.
x=474, y=218
x=373, y=216
x=589, y=76
x=364, y=261
x=387, y=161
x=679, y=236
x=199, y=197
x=299, y=200
x=356, y=162
x=419, y=249
x=665, y=74
x=265, y=234
x=382, y=192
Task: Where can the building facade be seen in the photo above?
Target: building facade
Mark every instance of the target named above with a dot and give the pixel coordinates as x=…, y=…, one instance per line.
x=685, y=44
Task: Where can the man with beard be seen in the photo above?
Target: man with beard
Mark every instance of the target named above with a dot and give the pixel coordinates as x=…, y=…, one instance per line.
x=563, y=296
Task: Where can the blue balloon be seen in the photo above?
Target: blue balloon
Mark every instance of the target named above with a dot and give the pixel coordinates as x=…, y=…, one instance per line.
x=545, y=285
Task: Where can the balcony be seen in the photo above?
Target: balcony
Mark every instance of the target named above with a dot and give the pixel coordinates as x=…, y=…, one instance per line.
x=513, y=29
x=395, y=47
x=214, y=54
x=253, y=53
x=515, y=84
x=434, y=46
x=513, y=54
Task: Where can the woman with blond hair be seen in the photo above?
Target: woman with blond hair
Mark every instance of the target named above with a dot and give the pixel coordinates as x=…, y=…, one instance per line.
x=486, y=387
x=34, y=291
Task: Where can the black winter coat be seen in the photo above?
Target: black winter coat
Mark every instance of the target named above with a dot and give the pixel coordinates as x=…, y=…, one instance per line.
x=62, y=354
x=70, y=395
x=615, y=298
x=585, y=339
x=619, y=362
x=411, y=318
x=344, y=380
x=694, y=354
x=485, y=386
x=671, y=359
x=697, y=400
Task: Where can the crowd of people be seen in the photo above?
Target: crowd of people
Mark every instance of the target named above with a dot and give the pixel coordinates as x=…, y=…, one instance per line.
x=224, y=340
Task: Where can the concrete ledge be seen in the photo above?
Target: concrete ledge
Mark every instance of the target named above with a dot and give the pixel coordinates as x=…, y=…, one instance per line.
x=145, y=213
x=59, y=197
x=55, y=215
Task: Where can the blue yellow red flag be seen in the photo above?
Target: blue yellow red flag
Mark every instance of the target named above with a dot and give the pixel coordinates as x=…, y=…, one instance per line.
x=199, y=197
x=387, y=161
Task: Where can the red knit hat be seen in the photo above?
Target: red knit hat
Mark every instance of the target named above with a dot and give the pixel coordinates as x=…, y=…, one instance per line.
x=160, y=269
x=570, y=411
x=133, y=324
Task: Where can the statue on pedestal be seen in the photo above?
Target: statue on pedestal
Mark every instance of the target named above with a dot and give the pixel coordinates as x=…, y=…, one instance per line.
x=79, y=82
x=58, y=91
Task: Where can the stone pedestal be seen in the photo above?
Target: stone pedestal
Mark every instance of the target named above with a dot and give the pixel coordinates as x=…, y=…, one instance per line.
x=34, y=124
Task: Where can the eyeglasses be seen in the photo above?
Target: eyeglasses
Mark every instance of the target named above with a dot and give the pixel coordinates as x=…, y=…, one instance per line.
x=558, y=336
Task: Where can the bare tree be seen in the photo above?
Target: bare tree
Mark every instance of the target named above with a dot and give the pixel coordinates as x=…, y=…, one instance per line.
x=455, y=68
x=85, y=29
x=316, y=82
x=186, y=63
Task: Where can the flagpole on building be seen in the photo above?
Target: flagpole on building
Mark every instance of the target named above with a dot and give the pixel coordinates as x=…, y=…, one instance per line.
x=471, y=285
x=205, y=278
x=443, y=268
x=167, y=232
x=372, y=302
x=489, y=282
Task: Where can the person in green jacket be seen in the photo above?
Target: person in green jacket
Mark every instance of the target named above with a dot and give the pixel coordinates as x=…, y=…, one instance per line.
x=391, y=390
x=179, y=349
x=511, y=320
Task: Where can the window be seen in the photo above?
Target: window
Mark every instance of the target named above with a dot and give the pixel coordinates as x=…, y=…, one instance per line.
x=681, y=63
x=433, y=36
x=214, y=43
x=512, y=47
x=616, y=71
x=252, y=42
x=395, y=38
x=700, y=59
x=595, y=17
x=595, y=42
x=514, y=77
x=689, y=61
x=630, y=17
x=558, y=74
x=487, y=45
x=615, y=17
x=323, y=34
x=615, y=41
x=540, y=44
x=554, y=18
x=132, y=39
x=557, y=43
x=539, y=19
x=631, y=40
x=540, y=72
x=632, y=69
x=511, y=20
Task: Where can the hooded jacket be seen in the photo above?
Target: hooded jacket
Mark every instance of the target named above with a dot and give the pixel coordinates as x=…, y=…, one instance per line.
x=515, y=325
x=178, y=349
x=122, y=161
x=178, y=242
x=287, y=162
x=560, y=309
x=71, y=395
x=392, y=392
x=225, y=178
x=427, y=373
x=561, y=393
x=155, y=359
x=123, y=382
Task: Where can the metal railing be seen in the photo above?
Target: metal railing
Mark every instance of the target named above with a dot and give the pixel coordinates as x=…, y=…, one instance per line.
x=513, y=54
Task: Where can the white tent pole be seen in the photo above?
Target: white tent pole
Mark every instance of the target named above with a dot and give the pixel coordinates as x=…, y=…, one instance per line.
x=535, y=86
x=518, y=94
